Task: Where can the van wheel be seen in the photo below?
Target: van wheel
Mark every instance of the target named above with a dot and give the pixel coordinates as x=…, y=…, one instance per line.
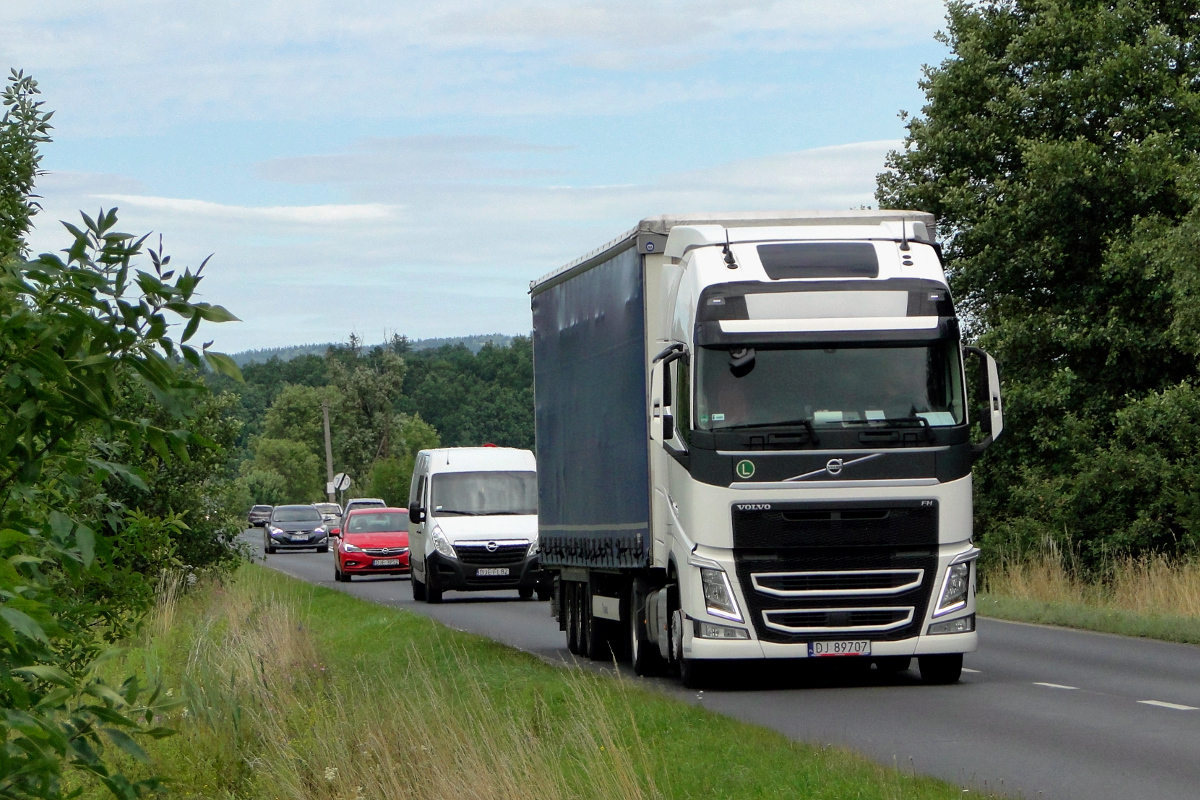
x=418, y=589
x=433, y=590
x=544, y=593
x=525, y=592
x=941, y=668
x=643, y=655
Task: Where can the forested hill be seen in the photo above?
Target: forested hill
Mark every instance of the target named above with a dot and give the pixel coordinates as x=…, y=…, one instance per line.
x=472, y=343
x=386, y=402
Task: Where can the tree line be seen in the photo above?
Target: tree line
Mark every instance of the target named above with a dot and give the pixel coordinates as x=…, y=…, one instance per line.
x=385, y=403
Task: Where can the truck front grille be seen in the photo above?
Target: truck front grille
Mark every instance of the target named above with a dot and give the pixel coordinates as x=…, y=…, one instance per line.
x=819, y=570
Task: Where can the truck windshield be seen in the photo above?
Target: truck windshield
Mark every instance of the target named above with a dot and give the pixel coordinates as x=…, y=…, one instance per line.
x=831, y=386
x=484, y=493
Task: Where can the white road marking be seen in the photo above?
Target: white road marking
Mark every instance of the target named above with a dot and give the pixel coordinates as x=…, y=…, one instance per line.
x=1174, y=706
x=1053, y=685
x=973, y=671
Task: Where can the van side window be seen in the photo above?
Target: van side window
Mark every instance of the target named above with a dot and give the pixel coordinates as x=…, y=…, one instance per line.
x=418, y=491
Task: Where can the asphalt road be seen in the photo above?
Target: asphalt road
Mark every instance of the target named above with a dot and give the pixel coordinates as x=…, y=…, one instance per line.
x=1040, y=712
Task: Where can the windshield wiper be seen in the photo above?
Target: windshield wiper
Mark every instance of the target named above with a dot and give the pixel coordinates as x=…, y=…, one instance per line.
x=808, y=426
x=896, y=422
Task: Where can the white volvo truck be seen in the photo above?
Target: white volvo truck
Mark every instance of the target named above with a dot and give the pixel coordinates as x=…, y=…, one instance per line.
x=753, y=442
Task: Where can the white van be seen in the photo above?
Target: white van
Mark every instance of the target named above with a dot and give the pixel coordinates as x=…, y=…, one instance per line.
x=473, y=523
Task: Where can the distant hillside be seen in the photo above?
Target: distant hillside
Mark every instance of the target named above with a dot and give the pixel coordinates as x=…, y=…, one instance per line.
x=473, y=343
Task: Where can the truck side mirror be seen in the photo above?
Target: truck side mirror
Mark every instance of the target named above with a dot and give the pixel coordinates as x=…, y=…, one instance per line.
x=992, y=421
x=416, y=515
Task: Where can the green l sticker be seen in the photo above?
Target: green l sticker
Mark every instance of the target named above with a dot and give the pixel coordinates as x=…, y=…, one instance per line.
x=745, y=469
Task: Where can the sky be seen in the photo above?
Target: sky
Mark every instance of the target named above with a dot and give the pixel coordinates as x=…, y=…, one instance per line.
x=400, y=167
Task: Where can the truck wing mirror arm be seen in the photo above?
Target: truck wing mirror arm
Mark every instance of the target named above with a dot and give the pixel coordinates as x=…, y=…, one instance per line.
x=989, y=379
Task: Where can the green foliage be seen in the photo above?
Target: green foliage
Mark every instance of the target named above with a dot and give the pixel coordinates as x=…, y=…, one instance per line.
x=296, y=415
x=293, y=462
x=263, y=486
x=23, y=127
x=1058, y=150
x=390, y=477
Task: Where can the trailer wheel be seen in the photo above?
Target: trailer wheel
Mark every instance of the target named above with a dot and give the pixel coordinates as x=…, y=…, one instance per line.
x=571, y=610
x=643, y=655
x=597, y=630
x=941, y=668
x=581, y=630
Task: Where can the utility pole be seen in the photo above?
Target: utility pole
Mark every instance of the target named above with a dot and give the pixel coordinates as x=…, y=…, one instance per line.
x=328, y=454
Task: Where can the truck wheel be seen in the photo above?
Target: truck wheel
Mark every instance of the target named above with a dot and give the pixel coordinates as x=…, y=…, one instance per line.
x=418, y=589
x=693, y=674
x=570, y=607
x=433, y=590
x=941, y=668
x=525, y=592
x=643, y=655
x=597, y=631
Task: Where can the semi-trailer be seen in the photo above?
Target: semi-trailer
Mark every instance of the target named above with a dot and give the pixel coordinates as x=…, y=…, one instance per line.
x=754, y=441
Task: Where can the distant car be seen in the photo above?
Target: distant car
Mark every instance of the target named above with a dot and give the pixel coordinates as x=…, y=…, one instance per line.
x=296, y=528
x=374, y=542
x=258, y=516
x=360, y=502
x=332, y=514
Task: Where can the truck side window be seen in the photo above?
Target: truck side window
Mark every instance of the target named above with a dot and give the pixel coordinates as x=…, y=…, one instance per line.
x=683, y=401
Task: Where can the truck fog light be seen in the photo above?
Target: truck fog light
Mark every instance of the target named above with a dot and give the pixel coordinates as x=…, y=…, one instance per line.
x=718, y=595
x=707, y=630
x=954, y=589
x=960, y=625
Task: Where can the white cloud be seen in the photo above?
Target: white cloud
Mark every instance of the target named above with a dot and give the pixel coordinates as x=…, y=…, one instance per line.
x=133, y=65
x=456, y=260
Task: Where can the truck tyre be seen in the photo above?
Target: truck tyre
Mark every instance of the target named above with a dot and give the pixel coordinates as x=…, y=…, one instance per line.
x=433, y=590
x=418, y=589
x=643, y=655
x=940, y=668
x=693, y=674
x=570, y=607
x=597, y=631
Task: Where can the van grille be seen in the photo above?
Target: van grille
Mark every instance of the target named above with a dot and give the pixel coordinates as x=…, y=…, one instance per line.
x=479, y=555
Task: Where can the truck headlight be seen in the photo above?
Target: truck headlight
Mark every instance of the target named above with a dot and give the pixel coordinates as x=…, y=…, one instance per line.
x=954, y=589
x=718, y=594
x=441, y=543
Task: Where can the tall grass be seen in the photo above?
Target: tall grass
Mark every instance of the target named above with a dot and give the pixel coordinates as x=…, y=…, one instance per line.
x=265, y=718
x=1152, y=595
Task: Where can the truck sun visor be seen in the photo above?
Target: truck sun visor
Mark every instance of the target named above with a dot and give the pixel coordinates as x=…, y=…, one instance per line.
x=820, y=305
x=819, y=260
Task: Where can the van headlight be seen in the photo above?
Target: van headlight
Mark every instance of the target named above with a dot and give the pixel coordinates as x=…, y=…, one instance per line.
x=954, y=588
x=718, y=594
x=533, y=547
x=441, y=543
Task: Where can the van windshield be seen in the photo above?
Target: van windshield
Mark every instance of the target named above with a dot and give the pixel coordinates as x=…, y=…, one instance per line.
x=484, y=493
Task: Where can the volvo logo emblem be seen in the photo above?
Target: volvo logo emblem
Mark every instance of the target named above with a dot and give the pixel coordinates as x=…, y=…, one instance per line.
x=833, y=466
x=492, y=546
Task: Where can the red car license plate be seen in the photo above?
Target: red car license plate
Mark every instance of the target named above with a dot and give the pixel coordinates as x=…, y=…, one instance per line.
x=386, y=562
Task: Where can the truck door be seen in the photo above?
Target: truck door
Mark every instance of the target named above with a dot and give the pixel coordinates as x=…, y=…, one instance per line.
x=658, y=466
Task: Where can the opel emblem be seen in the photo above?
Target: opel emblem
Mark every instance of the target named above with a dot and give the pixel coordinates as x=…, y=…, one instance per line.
x=492, y=546
x=833, y=466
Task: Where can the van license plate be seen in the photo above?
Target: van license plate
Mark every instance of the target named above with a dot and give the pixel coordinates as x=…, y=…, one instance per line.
x=386, y=562
x=861, y=647
x=491, y=572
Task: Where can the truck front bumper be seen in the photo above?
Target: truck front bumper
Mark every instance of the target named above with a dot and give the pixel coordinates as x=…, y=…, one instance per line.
x=694, y=647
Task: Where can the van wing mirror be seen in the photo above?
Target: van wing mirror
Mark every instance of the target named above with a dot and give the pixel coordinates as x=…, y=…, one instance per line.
x=416, y=514
x=989, y=390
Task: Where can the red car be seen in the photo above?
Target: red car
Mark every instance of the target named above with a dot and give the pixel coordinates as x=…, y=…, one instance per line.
x=374, y=541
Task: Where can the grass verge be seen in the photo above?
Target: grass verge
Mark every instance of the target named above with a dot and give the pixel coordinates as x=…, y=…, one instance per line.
x=1153, y=597
x=295, y=691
